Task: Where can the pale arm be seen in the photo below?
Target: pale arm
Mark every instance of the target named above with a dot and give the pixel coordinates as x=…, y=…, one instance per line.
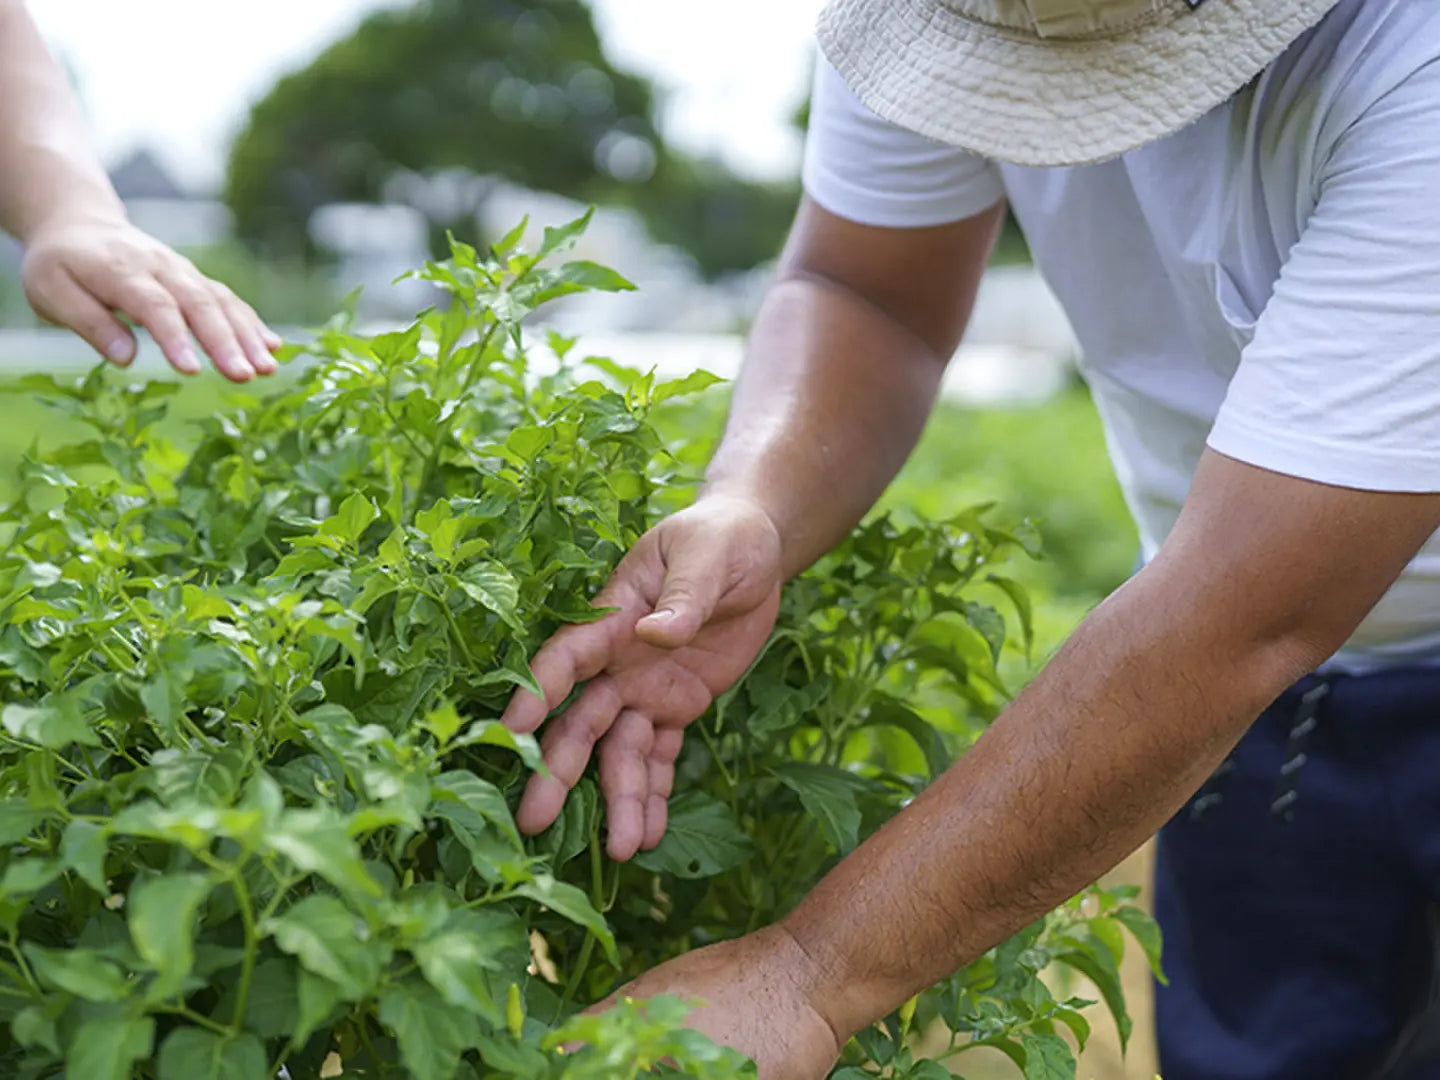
x=84, y=260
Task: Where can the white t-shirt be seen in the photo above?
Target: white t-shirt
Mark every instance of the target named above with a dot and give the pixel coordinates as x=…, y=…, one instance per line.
x=1266, y=281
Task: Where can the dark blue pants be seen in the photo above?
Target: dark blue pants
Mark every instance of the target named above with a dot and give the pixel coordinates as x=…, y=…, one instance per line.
x=1298, y=893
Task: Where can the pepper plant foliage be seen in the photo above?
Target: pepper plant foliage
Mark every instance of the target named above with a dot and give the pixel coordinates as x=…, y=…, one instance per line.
x=255, y=803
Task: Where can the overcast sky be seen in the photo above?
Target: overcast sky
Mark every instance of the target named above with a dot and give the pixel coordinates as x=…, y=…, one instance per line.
x=178, y=74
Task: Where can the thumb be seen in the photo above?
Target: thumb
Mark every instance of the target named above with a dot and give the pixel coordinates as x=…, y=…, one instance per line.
x=693, y=583
x=61, y=299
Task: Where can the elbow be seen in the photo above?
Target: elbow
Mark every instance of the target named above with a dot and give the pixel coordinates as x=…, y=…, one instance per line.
x=1246, y=650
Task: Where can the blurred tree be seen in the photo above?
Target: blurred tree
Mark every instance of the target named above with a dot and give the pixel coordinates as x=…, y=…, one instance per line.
x=421, y=104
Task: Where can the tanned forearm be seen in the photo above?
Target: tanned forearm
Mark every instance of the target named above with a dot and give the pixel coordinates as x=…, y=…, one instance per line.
x=47, y=168
x=1123, y=725
x=831, y=401
x=844, y=362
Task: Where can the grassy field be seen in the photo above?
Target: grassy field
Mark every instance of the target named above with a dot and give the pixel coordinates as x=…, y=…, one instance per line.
x=1046, y=463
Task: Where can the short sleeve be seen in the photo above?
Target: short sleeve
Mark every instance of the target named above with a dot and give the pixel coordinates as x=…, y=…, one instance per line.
x=1341, y=382
x=868, y=170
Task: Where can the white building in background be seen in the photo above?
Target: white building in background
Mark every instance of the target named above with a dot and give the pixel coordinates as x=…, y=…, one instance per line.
x=159, y=204
x=373, y=244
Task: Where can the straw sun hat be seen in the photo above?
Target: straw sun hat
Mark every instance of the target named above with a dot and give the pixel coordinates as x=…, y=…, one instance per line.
x=1054, y=82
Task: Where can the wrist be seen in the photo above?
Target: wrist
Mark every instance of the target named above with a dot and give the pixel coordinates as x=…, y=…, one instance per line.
x=752, y=500
x=70, y=206
x=845, y=997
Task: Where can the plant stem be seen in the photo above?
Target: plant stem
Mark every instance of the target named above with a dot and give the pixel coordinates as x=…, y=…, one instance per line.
x=196, y=1018
x=597, y=897
x=252, y=947
x=24, y=966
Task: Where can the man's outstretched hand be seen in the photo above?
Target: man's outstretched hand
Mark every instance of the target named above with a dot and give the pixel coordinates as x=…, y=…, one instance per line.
x=696, y=599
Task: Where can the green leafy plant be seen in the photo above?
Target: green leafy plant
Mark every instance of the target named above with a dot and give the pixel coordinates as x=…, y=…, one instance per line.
x=256, y=804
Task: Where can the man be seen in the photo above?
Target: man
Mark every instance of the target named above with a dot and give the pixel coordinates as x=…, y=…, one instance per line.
x=84, y=262
x=1236, y=202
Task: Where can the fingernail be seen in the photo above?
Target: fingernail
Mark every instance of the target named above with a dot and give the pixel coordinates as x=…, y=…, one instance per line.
x=187, y=361
x=121, y=350
x=663, y=615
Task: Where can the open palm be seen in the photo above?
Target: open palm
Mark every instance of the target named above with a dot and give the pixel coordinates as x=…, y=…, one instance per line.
x=696, y=599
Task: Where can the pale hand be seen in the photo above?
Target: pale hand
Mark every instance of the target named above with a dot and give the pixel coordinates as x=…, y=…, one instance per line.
x=697, y=599
x=759, y=995
x=79, y=273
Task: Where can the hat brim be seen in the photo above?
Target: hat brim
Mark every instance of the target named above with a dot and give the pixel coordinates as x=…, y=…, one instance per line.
x=919, y=64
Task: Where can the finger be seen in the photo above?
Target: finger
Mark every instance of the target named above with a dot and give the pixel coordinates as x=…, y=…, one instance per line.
x=567, y=746
x=148, y=303
x=624, y=778
x=660, y=781
x=207, y=319
x=694, y=580
x=254, y=336
x=63, y=300
x=573, y=655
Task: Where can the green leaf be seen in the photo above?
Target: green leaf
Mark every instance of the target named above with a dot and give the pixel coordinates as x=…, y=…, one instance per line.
x=454, y=964
x=492, y=586
x=201, y=605
x=494, y=733
x=589, y=275
x=1076, y=1022
x=82, y=849
x=443, y=723
x=316, y=998
x=702, y=839
x=481, y=796
x=527, y=442
x=18, y=819
x=693, y=383
x=514, y=670
x=317, y=842
x=1093, y=959
x=164, y=700
x=1146, y=932
x=354, y=517
x=570, y=833
x=828, y=795
x=162, y=912
x=568, y=901
x=558, y=238
x=1020, y=597
x=886, y=711
x=33, y=1026
x=507, y=243
x=54, y=725
x=271, y=1007
x=1047, y=1057
x=107, y=1047
x=29, y=874
x=432, y=1035
x=329, y=940
x=82, y=972
x=195, y=1054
